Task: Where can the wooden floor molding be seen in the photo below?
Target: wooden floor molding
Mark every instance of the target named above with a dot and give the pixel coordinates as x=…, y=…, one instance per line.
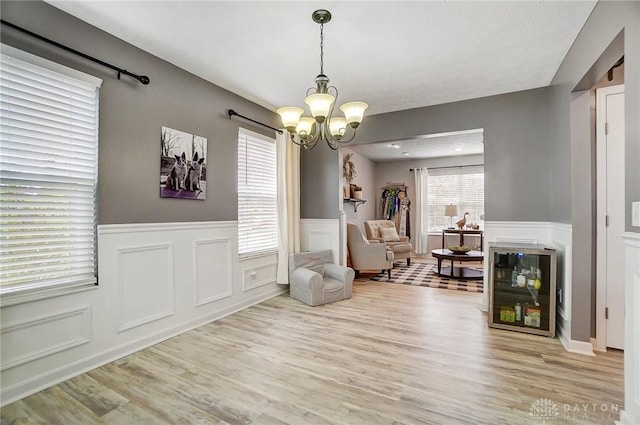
x=393, y=354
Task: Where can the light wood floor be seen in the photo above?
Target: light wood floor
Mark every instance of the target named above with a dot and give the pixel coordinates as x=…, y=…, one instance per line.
x=393, y=354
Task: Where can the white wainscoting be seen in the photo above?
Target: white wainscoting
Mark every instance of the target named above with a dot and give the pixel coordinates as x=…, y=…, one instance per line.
x=212, y=280
x=144, y=272
x=154, y=281
x=561, y=240
x=42, y=336
x=255, y=277
x=320, y=234
x=631, y=413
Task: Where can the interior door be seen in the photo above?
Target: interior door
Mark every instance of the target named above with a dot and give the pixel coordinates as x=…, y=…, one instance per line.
x=610, y=172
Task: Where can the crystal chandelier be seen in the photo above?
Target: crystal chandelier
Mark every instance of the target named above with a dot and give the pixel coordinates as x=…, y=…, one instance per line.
x=321, y=101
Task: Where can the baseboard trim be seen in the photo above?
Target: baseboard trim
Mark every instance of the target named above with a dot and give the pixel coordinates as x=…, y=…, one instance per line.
x=56, y=376
x=576, y=347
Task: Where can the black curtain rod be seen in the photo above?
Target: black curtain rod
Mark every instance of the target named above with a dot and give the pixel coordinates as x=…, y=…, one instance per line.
x=142, y=78
x=231, y=113
x=453, y=166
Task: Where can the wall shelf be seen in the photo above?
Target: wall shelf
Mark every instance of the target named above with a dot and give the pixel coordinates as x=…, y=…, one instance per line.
x=355, y=202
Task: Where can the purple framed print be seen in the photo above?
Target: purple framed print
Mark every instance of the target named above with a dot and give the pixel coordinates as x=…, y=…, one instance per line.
x=183, y=166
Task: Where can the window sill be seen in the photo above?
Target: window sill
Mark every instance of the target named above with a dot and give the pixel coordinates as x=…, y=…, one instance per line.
x=253, y=256
x=23, y=297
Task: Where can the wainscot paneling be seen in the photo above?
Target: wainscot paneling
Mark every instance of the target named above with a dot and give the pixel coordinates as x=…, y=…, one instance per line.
x=561, y=240
x=255, y=277
x=155, y=281
x=42, y=336
x=144, y=272
x=320, y=234
x=631, y=413
x=212, y=265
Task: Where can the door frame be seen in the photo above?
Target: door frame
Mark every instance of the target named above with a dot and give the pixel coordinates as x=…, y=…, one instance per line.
x=601, y=209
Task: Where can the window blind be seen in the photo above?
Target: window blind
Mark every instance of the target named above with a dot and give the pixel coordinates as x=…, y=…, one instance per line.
x=257, y=195
x=463, y=188
x=48, y=175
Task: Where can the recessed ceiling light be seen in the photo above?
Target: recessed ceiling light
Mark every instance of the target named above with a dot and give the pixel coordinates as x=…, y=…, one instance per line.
x=405, y=153
x=395, y=145
x=458, y=149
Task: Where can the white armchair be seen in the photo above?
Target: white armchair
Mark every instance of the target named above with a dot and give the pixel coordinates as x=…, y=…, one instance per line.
x=315, y=280
x=367, y=255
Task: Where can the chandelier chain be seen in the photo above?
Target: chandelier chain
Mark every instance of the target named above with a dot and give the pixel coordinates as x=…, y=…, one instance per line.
x=321, y=48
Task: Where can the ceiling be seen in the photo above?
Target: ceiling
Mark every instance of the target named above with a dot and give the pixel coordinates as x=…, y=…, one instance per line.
x=394, y=55
x=456, y=143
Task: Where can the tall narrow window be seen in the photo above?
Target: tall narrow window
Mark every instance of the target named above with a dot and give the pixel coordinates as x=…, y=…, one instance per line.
x=257, y=195
x=461, y=186
x=48, y=174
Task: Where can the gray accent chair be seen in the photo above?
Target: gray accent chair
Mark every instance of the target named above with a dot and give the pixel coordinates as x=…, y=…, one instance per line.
x=315, y=280
x=365, y=254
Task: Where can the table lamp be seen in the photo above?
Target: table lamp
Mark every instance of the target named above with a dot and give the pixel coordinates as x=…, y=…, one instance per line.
x=451, y=211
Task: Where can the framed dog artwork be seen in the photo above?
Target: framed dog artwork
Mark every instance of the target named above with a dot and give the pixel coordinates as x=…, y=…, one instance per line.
x=183, y=165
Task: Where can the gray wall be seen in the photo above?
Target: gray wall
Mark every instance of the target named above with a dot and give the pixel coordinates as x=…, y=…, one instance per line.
x=516, y=146
x=320, y=182
x=595, y=50
x=398, y=172
x=613, y=30
x=365, y=172
x=132, y=115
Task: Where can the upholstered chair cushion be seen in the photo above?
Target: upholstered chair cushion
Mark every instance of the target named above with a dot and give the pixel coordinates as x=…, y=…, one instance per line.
x=389, y=234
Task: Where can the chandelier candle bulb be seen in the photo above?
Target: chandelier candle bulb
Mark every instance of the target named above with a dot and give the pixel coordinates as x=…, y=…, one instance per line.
x=320, y=105
x=305, y=126
x=354, y=112
x=337, y=126
x=290, y=116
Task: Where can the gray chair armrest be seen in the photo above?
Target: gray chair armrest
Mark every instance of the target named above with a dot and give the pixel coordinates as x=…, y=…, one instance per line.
x=307, y=279
x=339, y=273
x=404, y=238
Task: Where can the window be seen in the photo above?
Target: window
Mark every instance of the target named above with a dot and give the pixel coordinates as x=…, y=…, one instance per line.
x=257, y=195
x=48, y=174
x=461, y=186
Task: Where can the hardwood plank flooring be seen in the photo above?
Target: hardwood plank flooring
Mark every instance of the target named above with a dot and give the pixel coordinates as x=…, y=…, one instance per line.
x=393, y=354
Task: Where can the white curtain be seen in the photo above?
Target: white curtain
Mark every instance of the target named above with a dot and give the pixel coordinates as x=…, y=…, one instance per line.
x=421, y=231
x=288, y=174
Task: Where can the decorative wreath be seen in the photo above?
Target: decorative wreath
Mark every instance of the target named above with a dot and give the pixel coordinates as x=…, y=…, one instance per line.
x=348, y=168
